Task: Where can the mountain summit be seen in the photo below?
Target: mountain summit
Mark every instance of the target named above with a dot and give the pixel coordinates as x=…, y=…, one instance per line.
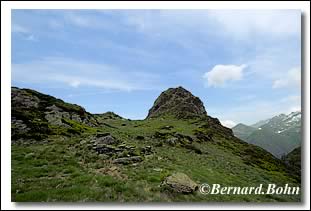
x=177, y=102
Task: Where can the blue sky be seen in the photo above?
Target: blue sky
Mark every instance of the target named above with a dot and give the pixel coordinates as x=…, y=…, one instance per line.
x=243, y=64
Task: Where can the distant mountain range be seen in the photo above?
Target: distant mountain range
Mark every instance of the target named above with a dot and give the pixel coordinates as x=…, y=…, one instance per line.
x=278, y=135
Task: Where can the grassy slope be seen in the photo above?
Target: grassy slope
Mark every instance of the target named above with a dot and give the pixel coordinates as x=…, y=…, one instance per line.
x=275, y=143
x=65, y=169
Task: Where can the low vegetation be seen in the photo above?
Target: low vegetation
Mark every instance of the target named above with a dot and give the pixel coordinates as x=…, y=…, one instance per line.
x=109, y=158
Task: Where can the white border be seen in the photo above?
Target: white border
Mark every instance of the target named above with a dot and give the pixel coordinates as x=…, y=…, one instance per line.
x=6, y=7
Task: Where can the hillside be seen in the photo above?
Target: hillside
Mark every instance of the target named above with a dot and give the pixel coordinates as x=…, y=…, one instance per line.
x=243, y=131
x=276, y=144
x=278, y=135
x=60, y=152
x=293, y=161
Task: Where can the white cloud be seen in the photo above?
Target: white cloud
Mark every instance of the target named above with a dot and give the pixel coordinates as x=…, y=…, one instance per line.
x=228, y=123
x=220, y=74
x=78, y=20
x=291, y=79
x=245, y=23
x=16, y=28
x=23, y=31
x=85, y=20
x=77, y=73
x=237, y=24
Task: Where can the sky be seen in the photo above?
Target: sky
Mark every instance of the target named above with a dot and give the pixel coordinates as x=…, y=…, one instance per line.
x=245, y=65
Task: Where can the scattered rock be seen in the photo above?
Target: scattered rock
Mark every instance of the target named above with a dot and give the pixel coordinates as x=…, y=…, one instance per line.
x=103, y=156
x=140, y=137
x=159, y=158
x=183, y=138
x=106, y=140
x=128, y=160
x=108, y=150
x=146, y=150
x=18, y=126
x=203, y=137
x=168, y=127
x=98, y=135
x=29, y=155
x=172, y=141
x=149, y=157
x=180, y=183
x=83, y=142
x=160, y=135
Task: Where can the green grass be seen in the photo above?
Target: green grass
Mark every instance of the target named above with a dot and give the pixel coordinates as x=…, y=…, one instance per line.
x=63, y=169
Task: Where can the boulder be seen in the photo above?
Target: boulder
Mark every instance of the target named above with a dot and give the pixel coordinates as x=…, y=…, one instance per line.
x=180, y=183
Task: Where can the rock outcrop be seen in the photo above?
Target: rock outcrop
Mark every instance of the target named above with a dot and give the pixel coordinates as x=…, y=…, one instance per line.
x=36, y=115
x=177, y=102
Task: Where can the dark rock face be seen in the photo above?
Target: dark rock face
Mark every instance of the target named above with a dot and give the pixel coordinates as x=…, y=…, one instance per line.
x=177, y=102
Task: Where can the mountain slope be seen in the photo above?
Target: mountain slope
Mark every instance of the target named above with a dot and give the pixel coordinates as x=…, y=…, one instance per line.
x=260, y=123
x=243, y=131
x=274, y=143
x=278, y=135
x=108, y=158
x=293, y=161
x=283, y=124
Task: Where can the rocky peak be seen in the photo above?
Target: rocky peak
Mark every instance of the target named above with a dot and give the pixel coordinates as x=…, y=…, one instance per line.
x=178, y=102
